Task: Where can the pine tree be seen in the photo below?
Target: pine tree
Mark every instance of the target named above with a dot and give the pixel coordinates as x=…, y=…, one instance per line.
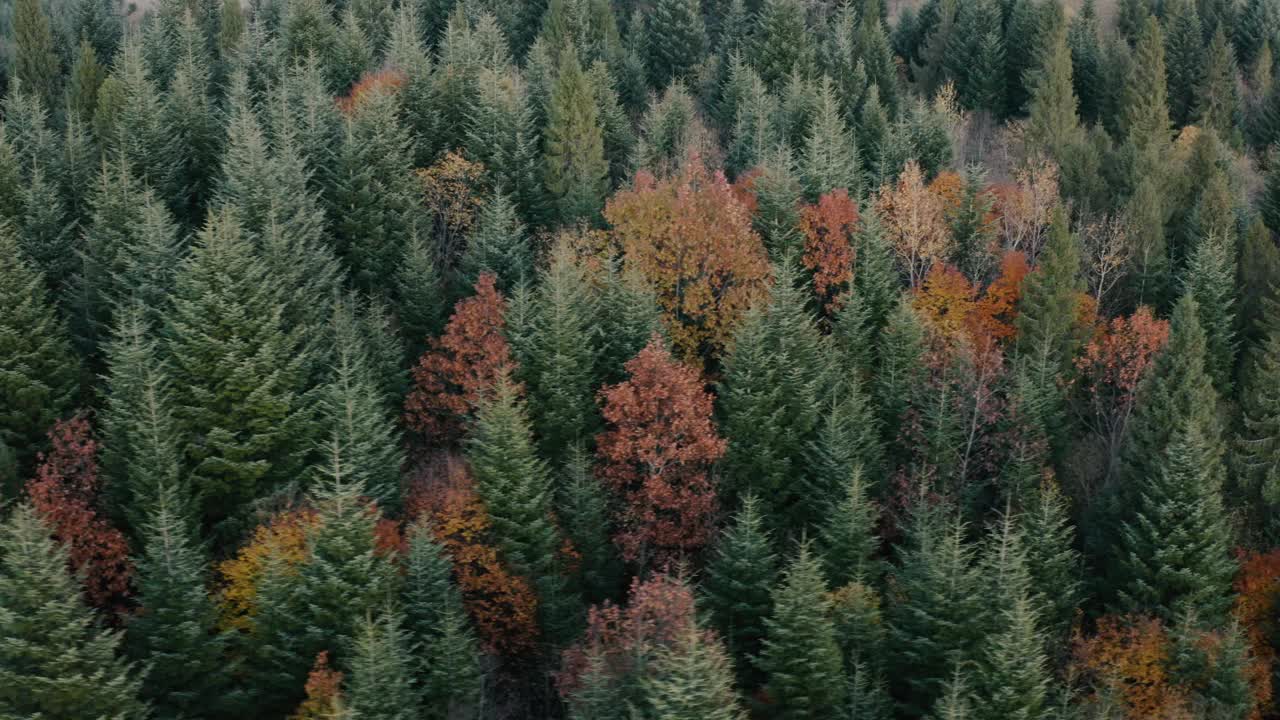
x=800, y=656
x=356, y=416
x=515, y=485
x=931, y=628
x=36, y=65
x=1186, y=59
x=830, y=158
x=236, y=374
x=769, y=400
x=847, y=539
x=692, y=680
x=782, y=44
x=55, y=661
x=737, y=586
x=140, y=446
x=38, y=371
x=380, y=683
x=500, y=245
x=1054, y=565
x=1210, y=279
x=576, y=174
x=675, y=40
x=557, y=356
x=174, y=635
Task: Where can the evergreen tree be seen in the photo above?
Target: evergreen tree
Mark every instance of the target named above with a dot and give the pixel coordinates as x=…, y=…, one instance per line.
x=1185, y=57
x=82, y=85
x=1054, y=565
x=36, y=65
x=931, y=628
x=55, y=661
x=782, y=42
x=380, y=684
x=769, y=400
x=515, y=485
x=956, y=702
x=1210, y=279
x=800, y=655
x=174, y=635
x=503, y=137
x=191, y=119
x=830, y=157
x=38, y=371
x=45, y=232
x=237, y=375
x=1086, y=62
x=846, y=442
x=1021, y=40
x=1217, y=98
x=419, y=296
x=901, y=372
x=576, y=171
x=1256, y=23
x=1146, y=108
x=582, y=506
x=675, y=40
x=1149, y=255
x=628, y=316
x=1054, y=125
x=692, y=680
x=500, y=245
x=1015, y=676
x=847, y=539
x=1258, y=454
x=737, y=586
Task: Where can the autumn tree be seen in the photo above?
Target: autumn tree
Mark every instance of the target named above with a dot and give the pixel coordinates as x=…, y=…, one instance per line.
x=914, y=224
x=56, y=658
x=829, y=253
x=460, y=367
x=691, y=238
x=655, y=454
x=66, y=493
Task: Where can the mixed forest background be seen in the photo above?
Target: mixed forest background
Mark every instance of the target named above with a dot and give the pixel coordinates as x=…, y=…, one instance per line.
x=644, y=359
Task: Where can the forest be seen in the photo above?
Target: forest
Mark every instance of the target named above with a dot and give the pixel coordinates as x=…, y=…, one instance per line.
x=640, y=359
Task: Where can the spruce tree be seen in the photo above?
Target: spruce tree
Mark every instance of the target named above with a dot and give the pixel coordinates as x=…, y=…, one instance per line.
x=1086, y=62
x=628, y=316
x=847, y=539
x=515, y=485
x=782, y=43
x=1054, y=125
x=1258, y=443
x=56, y=661
x=582, y=507
x=193, y=122
x=932, y=628
x=830, y=157
x=739, y=577
x=36, y=65
x=1256, y=24
x=1217, y=99
x=692, y=680
x=1146, y=107
x=901, y=372
x=380, y=681
x=500, y=245
x=420, y=304
x=174, y=634
x=1055, y=567
x=846, y=441
x=1015, y=674
x=1210, y=279
x=237, y=376
x=1186, y=59
x=675, y=40
x=576, y=173
x=769, y=400
x=1149, y=256
x=557, y=357
x=503, y=137
x=38, y=371
x=800, y=656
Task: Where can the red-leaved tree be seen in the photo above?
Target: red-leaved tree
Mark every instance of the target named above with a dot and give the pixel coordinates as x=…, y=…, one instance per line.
x=828, y=230
x=461, y=367
x=65, y=493
x=656, y=456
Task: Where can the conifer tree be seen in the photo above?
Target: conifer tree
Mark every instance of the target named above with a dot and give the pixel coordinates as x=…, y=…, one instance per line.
x=1146, y=106
x=1217, y=98
x=174, y=634
x=36, y=65
x=1149, y=256
x=582, y=507
x=1015, y=673
x=628, y=315
x=901, y=372
x=1055, y=125
x=192, y=120
x=1022, y=36
x=500, y=245
x=140, y=446
x=1086, y=61
x=38, y=371
x=1258, y=454
x=1053, y=563
x=380, y=683
x=1210, y=279
x=1256, y=24
x=740, y=575
x=692, y=680
x=846, y=441
x=557, y=358
x=45, y=232
x=515, y=485
x=932, y=628
x=1185, y=57
x=675, y=40
x=420, y=303
x=55, y=661
x=577, y=172
x=237, y=377
x=957, y=699
x=847, y=539
x=830, y=157
x=769, y=399
x=82, y=85
x=502, y=136
x=782, y=43
x=134, y=125
x=800, y=656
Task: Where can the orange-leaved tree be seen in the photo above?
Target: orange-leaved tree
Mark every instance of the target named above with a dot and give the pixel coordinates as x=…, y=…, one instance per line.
x=656, y=456
x=461, y=367
x=1125, y=663
x=690, y=236
x=1257, y=609
x=951, y=305
x=451, y=190
x=324, y=692
x=828, y=229
x=281, y=544
x=380, y=81
x=65, y=494
x=914, y=223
